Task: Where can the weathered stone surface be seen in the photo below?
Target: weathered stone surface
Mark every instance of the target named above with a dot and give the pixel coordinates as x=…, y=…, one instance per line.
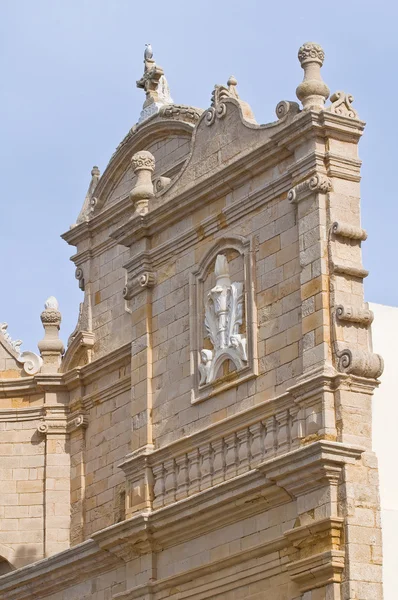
x=207, y=433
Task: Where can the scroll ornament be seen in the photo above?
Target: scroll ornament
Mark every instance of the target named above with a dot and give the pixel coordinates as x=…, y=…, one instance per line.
x=342, y=105
x=361, y=363
x=32, y=363
x=223, y=319
x=318, y=183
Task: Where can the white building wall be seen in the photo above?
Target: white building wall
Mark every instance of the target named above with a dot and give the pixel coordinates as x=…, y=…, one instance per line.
x=385, y=437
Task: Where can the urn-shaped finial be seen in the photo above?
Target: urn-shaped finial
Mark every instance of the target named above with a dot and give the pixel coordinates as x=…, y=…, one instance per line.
x=51, y=347
x=143, y=164
x=313, y=91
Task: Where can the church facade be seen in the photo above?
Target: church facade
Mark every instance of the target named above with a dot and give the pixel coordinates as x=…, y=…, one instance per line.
x=207, y=432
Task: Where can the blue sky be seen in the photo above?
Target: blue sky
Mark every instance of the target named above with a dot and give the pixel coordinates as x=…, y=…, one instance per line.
x=68, y=97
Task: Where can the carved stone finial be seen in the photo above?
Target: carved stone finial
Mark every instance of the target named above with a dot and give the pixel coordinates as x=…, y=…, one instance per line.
x=313, y=91
x=51, y=347
x=155, y=85
x=143, y=164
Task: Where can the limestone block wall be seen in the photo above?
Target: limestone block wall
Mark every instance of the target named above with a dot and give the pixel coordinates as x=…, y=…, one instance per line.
x=22, y=464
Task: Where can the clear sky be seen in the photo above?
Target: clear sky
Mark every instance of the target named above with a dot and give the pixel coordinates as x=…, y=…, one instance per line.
x=68, y=96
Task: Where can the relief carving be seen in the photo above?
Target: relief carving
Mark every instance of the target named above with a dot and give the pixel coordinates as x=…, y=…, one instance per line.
x=223, y=319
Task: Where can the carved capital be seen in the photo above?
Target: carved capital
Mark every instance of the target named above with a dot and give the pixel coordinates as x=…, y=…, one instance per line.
x=318, y=183
x=52, y=426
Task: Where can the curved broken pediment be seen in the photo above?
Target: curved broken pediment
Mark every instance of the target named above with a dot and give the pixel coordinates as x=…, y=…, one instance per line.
x=225, y=132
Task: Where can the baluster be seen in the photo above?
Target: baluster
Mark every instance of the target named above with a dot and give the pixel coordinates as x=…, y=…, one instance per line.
x=158, y=489
x=295, y=426
x=230, y=455
x=193, y=472
x=269, y=442
x=243, y=450
x=205, y=466
x=283, y=436
x=256, y=450
x=218, y=461
x=169, y=481
x=182, y=477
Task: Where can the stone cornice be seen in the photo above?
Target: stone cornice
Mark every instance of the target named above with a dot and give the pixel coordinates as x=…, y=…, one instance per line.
x=57, y=572
x=245, y=495
x=311, y=466
x=105, y=364
x=195, y=576
x=41, y=382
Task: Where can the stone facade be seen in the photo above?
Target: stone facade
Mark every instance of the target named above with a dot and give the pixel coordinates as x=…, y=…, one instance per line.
x=207, y=433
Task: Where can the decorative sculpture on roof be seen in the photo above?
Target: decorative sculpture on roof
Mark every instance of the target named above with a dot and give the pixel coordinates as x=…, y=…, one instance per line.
x=218, y=107
x=31, y=362
x=223, y=319
x=155, y=85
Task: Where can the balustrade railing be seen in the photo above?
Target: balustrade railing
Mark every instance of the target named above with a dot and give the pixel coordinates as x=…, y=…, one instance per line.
x=223, y=458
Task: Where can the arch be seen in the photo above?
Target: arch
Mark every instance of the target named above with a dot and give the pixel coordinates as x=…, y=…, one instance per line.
x=241, y=347
x=232, y=242
x=136, y=140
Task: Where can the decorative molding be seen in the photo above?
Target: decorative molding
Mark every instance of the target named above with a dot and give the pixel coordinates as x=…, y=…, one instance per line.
x=318, y=183
x=80, y=277
x=286, y=107
x=52, y=426
x=181, y=112
x=75, y=422
x=354, y=314
x=31, y=362
x=350, y=270
x=137, y=283
x=342, y=105
x=351, y=232
x=224, y=309
x=160, y=183
x=13, y=344
x=218, y=108
x=361, y=363
x=313, y=564
x=318, y=570
x=190, y=583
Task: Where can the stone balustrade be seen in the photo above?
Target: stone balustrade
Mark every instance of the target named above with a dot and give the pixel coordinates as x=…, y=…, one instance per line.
x=223, y=451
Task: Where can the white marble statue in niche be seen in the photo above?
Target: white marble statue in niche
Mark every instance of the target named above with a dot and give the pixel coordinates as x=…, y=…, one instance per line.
x=223, y=319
